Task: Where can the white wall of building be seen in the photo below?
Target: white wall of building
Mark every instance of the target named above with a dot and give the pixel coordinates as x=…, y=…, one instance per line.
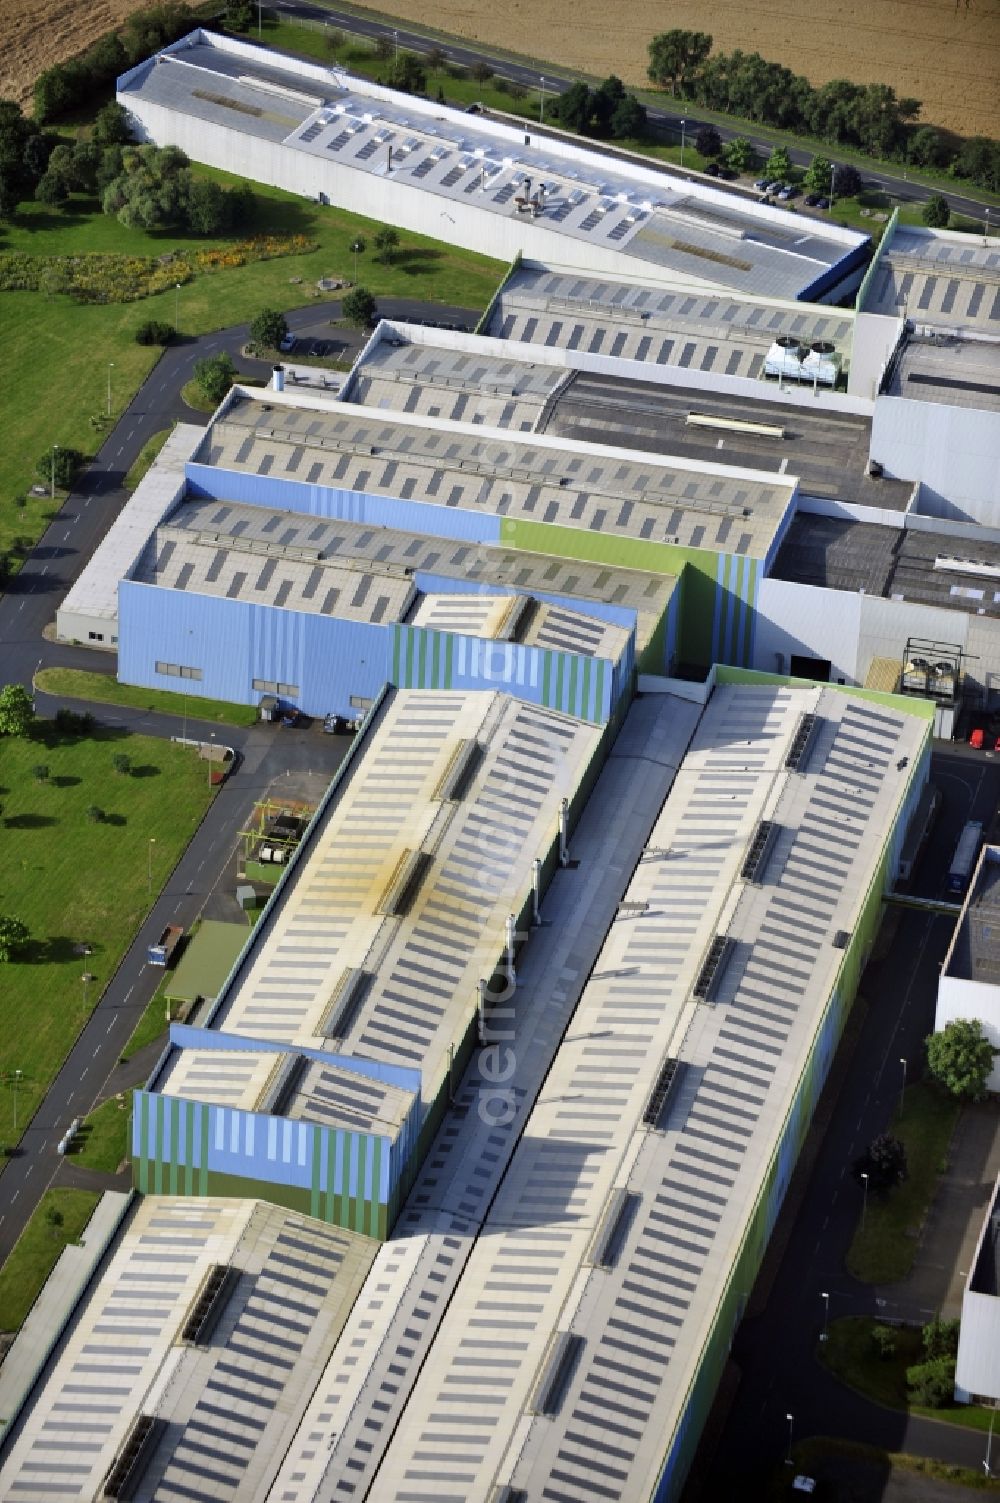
x=800, y=620
x=958, y=998
x=952, y=450
x=875, y=337
x=977, y=1370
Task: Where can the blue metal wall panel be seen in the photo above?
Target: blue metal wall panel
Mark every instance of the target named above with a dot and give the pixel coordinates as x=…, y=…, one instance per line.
x=464, y=524
x=233, y=642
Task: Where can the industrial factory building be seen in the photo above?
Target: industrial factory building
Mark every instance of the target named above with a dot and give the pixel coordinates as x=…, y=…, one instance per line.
x=271, y=1323
x=477, y=182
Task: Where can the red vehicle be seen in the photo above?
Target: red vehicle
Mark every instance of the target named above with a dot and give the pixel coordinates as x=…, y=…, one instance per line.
x=977, y=738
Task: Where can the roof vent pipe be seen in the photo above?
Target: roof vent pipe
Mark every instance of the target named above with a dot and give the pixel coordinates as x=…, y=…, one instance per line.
x=278, y=378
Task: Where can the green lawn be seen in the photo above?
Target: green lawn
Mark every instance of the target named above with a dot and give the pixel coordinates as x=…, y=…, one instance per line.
x=152, y=1025
x=147, y=454
x=61, y=349
x=883, y=1250
x=849, y=1353
x=36, y=1250
x=76, y=683
x=73, y=880
x=102, y=1142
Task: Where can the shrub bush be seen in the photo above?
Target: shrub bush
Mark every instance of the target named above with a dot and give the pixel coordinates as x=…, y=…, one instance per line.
x=154, y=331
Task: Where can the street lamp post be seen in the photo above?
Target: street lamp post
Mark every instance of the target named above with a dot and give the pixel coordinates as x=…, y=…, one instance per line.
x=260, y=18
x=683, y=128
x=902, y=1094
x=177, y=299
x=833, y=179
x=149, y=864
x=825, y=1297
x=15, y=1082
x=541, y=106
x=987, y=221
x=211, y=749
x=395, y=40
x=111, y=366
x=53, y=493
x=864, y=1202
x=989, y=1437
x=791, y=1425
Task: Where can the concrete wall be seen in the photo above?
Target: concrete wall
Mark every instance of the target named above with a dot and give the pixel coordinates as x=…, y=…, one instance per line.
x=977, y=1371
x=959, y=998
x=951, y=450
x=801, y=620
x=875, y=337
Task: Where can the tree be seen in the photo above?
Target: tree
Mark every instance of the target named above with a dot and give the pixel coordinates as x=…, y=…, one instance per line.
x=978, y=159
x=708, y=142
x=14, y=936
x=960, y=1057
x=384, y=49
x=386, y=242
x=24, y=154
x=926, y=148
x=935, y=213
x=214, y=374
x=52, y=190
x=573, y=107
x=940, y=1338
x=846, y=180
x=40, y=773
x=740, y=154
x=779, y=163
x=932, y=1383
x=208, y=207
x=359, y=307
x=95, y=814
x=817, y=176
x=122, y=764
x=111, y=126
x=407, y=73
x=17, y=710
x=267, y=330
x=884, y=1341
x=54, y=1219
x=60, y=465
x=239, y=15
x=336, y=41
x=481, y=71
x=604, y=100
x=628, y=120
x=676, y=57
x=154, y=331
x=884, y=1163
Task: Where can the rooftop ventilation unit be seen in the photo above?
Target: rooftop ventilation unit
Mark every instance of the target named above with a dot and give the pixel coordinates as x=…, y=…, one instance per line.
x=713, y=966
x=520, y=614
x=208, y=1303
x=612, y=1229
x=805, y=734
x=661, y=1090
x=279, y=1089
x=459, y=772
x=404, y=884
x=349, y=992
x=127, y=1468
x=757, y=856
x=505, y=1493
x=551, y=1387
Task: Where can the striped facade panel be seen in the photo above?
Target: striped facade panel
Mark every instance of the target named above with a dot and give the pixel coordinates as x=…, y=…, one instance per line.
x=423, y=517
x=734, y=611
x=329, y=661
x=184, y=1147
x=746, y=1265
x=422, y=658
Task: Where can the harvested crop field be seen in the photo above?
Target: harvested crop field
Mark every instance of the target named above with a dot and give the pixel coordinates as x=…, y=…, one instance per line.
x=38, y=33
x=945, y=53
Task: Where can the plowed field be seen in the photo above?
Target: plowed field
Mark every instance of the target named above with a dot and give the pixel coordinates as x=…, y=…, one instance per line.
x=942, y=52
x=37, y=33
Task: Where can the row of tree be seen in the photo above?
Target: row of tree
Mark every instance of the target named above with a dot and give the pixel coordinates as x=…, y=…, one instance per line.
x=866, y=117
x=64, y=86
x=608, y=110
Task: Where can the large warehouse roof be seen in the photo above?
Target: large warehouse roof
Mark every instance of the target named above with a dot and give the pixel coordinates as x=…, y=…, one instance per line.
x=223, y=1410
x=701, y=331
x=606, y=202
x=939, y=277
x=464, y=385
x=609, y=1246
x=531, y=478
x=931, y=568
x=958, y=372
x=422, y=854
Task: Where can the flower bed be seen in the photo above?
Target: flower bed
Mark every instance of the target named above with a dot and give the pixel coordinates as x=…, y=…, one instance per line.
x=123, y=279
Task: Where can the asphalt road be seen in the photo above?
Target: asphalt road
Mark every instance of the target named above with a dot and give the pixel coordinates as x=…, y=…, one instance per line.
x=775, y=1350
x=466, y=54
x=28, y=606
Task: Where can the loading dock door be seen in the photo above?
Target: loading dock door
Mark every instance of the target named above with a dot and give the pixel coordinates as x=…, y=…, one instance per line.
x=817, y=668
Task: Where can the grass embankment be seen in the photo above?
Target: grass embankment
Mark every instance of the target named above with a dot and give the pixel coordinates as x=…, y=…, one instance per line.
x=75, y=880
x=883, y=1250
x=844, y=1469
x=102, y=1142
x=850, y=1355
x=147, y=454
x=36, y=1251
x=62, y=349
x=102, y=688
